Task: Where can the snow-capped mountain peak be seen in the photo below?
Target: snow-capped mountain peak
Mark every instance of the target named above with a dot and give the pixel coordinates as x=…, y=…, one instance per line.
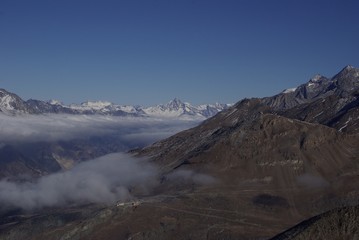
x=289, y=90
x=55, y=102
x=348, y=71
x=316, y=78
x=175, y=104
x=178, y=108
x=6, y=100
x=349, y=67
x=96, y=104
x=11, y=103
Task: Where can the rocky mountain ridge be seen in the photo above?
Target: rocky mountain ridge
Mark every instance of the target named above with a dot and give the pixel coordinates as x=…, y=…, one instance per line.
x=318, y=87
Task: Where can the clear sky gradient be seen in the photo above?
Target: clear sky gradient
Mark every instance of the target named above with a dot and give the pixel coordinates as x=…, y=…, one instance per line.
x=150, y=51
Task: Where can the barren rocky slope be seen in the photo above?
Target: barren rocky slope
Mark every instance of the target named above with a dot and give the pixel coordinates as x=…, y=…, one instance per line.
x=339, y=223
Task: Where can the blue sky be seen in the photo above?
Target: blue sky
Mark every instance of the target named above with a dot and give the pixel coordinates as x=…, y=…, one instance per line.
x=150, y=51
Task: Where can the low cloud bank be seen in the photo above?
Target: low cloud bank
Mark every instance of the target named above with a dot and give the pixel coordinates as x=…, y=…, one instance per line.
x=106, y=179
x=55, y=127
x=103, y=180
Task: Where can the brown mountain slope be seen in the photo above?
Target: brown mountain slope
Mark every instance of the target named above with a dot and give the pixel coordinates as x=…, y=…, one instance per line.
x=252, y=143
x=340, y=224
x=268, y=163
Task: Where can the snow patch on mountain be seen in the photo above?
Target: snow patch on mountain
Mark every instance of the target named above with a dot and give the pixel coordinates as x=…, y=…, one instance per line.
x=55, y=102
x=6, y=101
x=316, y=78
x=289, y=90
x=11, y=103
x=98, y=105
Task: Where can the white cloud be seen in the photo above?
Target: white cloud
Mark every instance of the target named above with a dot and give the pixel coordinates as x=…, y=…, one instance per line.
x=102, y=180
x=54, y=127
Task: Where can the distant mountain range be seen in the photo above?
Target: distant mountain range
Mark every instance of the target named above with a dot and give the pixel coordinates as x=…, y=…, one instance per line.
x=12, y=104
x=318, y=87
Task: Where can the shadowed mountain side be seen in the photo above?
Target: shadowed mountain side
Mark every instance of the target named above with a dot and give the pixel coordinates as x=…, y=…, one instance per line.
x=333, y=111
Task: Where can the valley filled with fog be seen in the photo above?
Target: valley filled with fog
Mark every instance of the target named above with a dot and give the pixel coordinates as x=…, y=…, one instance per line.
x=130, y=131
x=103, y=179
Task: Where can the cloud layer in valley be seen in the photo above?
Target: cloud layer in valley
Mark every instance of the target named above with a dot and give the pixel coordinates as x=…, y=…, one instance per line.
x=102, y=180
x=107, y=179
x=55, y=127
x=110, y=178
